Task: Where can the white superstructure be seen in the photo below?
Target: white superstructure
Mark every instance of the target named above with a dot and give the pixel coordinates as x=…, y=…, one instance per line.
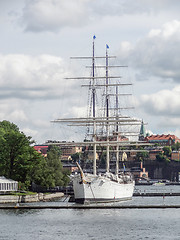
x=106, y=188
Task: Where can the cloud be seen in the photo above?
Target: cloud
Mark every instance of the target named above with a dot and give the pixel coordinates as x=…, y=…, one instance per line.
x=123, y=7
x=53, y=15
x=34, y=91
x=161, y=110
x=18, y=115
x=162, y=103
x=169, y=122
x=29, y=132
x=33, y=77
x=158, y=53
x=12, y=110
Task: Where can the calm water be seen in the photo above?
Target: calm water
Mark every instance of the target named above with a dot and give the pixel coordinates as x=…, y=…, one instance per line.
x=94, y=223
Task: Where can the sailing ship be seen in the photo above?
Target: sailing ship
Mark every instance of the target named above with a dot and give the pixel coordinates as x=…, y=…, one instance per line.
x=108, y=186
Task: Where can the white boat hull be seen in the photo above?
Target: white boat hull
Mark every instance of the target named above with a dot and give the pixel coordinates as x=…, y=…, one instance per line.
x=101, y=189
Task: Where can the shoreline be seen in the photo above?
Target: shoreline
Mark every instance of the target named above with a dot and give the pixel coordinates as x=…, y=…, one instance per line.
x=39, y=197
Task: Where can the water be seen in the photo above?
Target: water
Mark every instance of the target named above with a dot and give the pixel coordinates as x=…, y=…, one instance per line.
x=107, y=224
x=159, y=188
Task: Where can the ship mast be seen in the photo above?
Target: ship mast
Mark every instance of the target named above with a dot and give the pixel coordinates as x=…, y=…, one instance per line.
x=94, y=121
x=117, y=130
x=94, y=110
x=107, y=110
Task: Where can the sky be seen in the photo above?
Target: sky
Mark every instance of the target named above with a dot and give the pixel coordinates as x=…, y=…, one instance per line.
x=38, y=37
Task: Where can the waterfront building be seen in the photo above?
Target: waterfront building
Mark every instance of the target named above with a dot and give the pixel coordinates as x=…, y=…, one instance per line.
x=154, y=152
x=66, y=149
x=7, y=185
x=175, y=155
x=163, y=140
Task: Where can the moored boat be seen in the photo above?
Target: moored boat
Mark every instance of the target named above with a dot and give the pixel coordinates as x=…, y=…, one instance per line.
x=106, y=132
x=102, y=188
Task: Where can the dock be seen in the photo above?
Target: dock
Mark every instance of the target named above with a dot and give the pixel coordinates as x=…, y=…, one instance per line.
x=156, y=194
x=81, y=206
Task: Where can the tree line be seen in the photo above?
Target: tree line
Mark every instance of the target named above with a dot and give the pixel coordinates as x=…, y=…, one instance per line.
x=21, y=162
x=163, y=156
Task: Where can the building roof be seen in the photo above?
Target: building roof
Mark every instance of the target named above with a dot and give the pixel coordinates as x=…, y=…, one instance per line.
x=5, y=180
x=162, y=137
x=39, y=147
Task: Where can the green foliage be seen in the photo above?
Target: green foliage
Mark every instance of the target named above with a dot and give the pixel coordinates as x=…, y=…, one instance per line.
x=19, y=160
x=52, y=149
x=165, y=155
x=55, y=166
x=142, y=156
x=75, y=157
x=14, y=152
x=162, y=158
x=49, y=172
x=66, y=179
x=176, y=146
x=167, y=151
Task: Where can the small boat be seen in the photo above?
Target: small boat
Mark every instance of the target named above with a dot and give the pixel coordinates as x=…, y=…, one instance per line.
x=159, y=184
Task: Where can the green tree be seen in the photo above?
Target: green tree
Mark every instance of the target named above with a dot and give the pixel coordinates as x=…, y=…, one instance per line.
x=17, y=157
x=13, y=148
x=55, y=166
x=49, y=172
x=167, y=151
x=162, y=158
x=176, y=146
x=58, y=176
x=76, y=157
x=20, y=161
x=142, y=156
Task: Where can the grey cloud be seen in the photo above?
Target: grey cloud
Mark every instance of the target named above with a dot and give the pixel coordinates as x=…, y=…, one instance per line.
x=158, y=53
x=162, y=103
x=33, y=94
x=169, y=122
x=38, y=77
x=40, y=15
x=121, y=7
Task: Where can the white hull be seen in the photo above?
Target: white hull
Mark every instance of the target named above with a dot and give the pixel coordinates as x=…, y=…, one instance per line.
x=101, y=189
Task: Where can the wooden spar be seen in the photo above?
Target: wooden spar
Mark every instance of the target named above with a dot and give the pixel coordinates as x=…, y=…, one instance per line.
x=87, y=78
x=100, y=143
x=98, y=120
x=109, y=85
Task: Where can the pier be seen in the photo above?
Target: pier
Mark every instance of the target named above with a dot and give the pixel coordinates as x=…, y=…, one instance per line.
x=89, y=206
x=156, y=194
